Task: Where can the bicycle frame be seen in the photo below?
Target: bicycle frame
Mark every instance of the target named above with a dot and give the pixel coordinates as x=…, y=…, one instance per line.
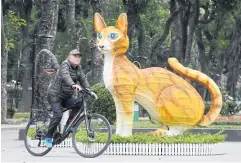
x=75, y=120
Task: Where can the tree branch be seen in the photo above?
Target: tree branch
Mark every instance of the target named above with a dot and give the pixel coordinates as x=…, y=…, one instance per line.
x=166, y=30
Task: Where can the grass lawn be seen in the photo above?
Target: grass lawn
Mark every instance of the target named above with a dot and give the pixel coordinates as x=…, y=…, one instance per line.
x=21, y=115
x=147, y=123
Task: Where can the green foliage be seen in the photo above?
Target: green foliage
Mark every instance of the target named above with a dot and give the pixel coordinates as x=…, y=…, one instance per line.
x=12, y=27
x=227, y=124
x=154, y=17
x=144, y=138
x=87, y=27
x=222, y=44
x=63, y=47
x=81, y=135
x=31, y=133
x=111, y=22
x=104, y=105
x=230, y=106
x=21, y=115
x=204, y=2
x=220, y=29
x=11, y=111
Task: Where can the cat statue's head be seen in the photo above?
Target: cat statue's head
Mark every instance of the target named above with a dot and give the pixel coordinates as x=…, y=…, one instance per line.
x=112, y=39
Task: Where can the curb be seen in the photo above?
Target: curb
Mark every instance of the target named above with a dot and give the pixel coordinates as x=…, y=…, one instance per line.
x=12, y=128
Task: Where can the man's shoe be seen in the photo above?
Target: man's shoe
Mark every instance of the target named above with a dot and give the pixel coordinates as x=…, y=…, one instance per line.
x=48, y=142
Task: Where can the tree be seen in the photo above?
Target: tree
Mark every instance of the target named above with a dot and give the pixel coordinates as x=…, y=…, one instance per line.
x=135, y=27
x=158, y=50
x=45, y=58
x=4, y=60
x=70, y=24
x=233, y=57
x=96, y=63
x=47, y=24
x=11, y=26
x=202, y=34
x=184, y=25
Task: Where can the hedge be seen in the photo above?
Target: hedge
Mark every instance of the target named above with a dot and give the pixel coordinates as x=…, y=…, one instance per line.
x=143, y=138
x=104, y=105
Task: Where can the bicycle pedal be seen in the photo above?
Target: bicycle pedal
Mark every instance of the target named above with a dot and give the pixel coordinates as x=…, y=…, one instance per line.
x=57, y=141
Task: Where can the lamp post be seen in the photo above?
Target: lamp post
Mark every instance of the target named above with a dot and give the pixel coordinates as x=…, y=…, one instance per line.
x=34, y=43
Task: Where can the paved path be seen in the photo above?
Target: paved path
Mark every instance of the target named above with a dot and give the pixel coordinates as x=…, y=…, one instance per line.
x=13, y=150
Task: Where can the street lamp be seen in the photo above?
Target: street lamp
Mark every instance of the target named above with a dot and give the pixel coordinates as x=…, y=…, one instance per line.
x=34, y=43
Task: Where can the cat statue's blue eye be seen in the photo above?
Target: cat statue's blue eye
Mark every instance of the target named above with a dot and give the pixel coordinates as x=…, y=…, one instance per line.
x=99, y=35
x=113, y=36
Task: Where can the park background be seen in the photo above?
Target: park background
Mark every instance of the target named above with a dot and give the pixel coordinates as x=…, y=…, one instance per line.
x=204, y=35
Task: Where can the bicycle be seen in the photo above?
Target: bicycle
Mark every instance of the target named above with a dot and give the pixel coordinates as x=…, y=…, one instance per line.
x=83, y=125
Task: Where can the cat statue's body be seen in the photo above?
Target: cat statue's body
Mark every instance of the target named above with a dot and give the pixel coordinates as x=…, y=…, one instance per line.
x=168, y=98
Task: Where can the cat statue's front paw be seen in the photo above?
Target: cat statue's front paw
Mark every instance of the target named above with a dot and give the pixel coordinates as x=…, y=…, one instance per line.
x=159, y=132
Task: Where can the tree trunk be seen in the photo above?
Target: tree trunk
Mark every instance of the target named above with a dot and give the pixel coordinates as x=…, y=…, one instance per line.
x=132, y=14
x=135, y=29
x=234, y=58
x=25, y=12
x=95, y=75
x=70, y=24
x=4, y=61
x=203, y=59
x=81, y=9
x=47, y=24
x=192, y=24
x=45, y=58
x=177, y=33
x=70, y=20
x=54, y=9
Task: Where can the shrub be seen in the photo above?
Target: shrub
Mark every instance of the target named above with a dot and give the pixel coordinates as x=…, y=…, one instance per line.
x=143, y=138
x=230, y=107
x=104, y=105
x=228, y=120
x=11, y=111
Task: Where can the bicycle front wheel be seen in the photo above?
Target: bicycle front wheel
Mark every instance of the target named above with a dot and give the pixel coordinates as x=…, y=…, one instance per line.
x=94, y=143
x=35, y=134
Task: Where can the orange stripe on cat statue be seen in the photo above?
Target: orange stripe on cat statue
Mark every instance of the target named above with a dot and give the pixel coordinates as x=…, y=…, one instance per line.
x=169, y=99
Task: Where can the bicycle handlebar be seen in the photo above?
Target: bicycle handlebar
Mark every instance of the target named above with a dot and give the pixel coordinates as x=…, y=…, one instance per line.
x=86, y=91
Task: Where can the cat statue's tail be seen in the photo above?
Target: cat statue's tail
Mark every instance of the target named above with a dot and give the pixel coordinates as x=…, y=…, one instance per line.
x=216, y=95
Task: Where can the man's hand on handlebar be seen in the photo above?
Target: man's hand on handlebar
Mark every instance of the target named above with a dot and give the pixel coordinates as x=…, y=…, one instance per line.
x=77, y=87
x=94, y=95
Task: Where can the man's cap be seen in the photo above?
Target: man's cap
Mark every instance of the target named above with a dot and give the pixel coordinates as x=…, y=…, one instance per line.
x=74, y=52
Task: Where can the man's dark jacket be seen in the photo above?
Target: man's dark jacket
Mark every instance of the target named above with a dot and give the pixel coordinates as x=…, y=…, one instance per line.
x=66, y=76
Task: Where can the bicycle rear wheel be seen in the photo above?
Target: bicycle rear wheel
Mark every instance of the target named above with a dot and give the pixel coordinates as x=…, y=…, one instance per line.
x=35, y=134
x=97, y=141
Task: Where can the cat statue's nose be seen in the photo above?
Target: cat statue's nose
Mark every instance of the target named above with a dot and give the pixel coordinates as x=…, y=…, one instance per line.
x=101, y=46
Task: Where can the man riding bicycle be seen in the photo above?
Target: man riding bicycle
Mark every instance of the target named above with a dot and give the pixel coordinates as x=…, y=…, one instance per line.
x=61, y=92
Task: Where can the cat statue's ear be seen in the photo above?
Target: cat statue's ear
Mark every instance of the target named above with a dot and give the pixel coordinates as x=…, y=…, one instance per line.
x=122, y=23
x=99, y=23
